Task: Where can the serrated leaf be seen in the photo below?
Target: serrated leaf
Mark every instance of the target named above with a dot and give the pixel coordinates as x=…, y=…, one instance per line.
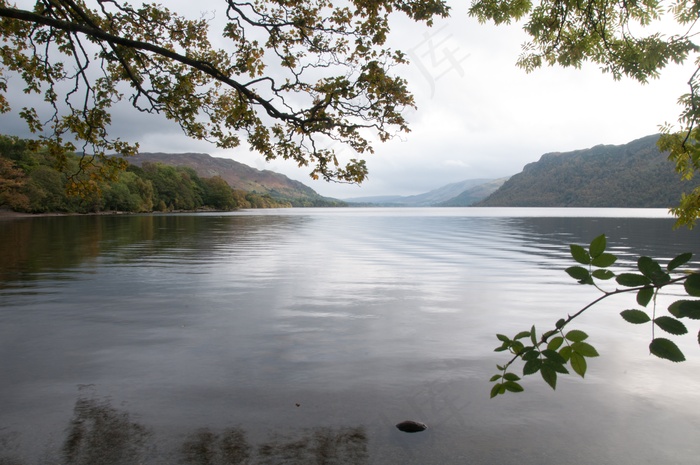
x=558, y=367
x=680, y=260
x=671, y=325
x=603, y=274
x=685, y=309
x=511, y=377
x=597, y=246
x=495, y=390
x=578, y=272
x=522, y=334
x=565, y=352
x=503, y=337
x=632, y=280
x=553, y=356
x=666, y=349
x=652, y=270
x=634, y=316
x=644, y=296
x=576, y=335
x=580, y=254
x=584, y=349
x=532, y=366
x=549, y=375
x=578, y=364
x=555, y=343
x=495, y=378
x=517, y=347
x=604, y=260
x=692, y=285
x=512, y=386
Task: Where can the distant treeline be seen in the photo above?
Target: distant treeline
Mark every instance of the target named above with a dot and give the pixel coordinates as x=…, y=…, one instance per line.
x=31, y=182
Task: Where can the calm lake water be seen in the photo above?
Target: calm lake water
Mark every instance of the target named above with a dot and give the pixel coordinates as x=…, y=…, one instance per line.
x=304, y=335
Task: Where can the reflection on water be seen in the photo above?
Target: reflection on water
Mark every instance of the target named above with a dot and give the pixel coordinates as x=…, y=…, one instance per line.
x=100, y=434
x=304, y=336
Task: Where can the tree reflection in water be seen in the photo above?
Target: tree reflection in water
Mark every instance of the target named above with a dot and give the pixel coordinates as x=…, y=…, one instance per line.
x=100, y=434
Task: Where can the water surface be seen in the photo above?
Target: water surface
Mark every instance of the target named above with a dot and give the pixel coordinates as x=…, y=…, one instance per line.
x=305, y=335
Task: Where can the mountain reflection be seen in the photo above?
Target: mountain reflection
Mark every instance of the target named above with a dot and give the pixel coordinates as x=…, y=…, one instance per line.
x=100, y=434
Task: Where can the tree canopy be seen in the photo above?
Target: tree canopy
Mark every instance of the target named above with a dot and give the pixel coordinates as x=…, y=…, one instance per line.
x=292, y=77
x=635, y=39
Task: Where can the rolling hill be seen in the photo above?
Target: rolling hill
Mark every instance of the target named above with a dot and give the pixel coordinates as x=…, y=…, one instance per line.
x=633, y=175
x=243, y=177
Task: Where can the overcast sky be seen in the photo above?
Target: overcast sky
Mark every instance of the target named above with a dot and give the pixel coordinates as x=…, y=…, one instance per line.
x=479, y=116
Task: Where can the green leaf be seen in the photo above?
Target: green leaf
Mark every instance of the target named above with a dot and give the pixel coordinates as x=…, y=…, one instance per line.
x=553, y=356
x=522, y=334
x=667, y=349
x=530, y=355
x=566, y=352
x=597, y=246
x=502, y=337
x=652, y=270
x=584, y=349
x=680, y=260
x=604, y=260
x=517, y=347
x=671, y=325
x=578, y=272
x=578, y=363
x=576, y=335
x=560, y=323
x=580, y=254
x=644, y=296
x=603, y=274
x=494, y=378
x=495, y=390
x=549, y=375
x=556, y=366
x=555, y=343
x=632, y=280
x=635, y=317
x=685, y=308
x=512, y=386
x=692, y=285
x=533, y=335
x=503, y=348
x=549, y=334
x=511, y=377
x=532, y=366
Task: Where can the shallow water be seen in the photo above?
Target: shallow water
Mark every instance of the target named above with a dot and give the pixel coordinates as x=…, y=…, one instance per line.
x=305, y=335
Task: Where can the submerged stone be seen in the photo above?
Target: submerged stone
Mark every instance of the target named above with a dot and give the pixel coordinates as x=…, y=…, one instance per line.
x=410, y=426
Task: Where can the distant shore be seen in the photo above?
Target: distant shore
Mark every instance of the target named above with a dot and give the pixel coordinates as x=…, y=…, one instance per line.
x=6, y=214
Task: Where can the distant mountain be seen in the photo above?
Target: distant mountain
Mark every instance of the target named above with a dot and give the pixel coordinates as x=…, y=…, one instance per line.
x=634, y=175
x=481, y=188
x=473, y=195
x=243, y=177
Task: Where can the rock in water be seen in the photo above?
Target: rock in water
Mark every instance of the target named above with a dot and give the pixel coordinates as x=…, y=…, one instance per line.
x=410, y=426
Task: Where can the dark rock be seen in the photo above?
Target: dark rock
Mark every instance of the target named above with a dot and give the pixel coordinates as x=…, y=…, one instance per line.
x=410, y=426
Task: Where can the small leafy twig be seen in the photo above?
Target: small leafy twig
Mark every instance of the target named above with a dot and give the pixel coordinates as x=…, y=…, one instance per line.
x=555, y=349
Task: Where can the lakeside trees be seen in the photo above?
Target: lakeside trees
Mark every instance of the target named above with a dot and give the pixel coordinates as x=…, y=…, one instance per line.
x=30, y=182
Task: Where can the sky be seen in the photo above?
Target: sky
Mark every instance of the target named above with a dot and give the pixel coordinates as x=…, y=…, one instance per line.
x=478, y=116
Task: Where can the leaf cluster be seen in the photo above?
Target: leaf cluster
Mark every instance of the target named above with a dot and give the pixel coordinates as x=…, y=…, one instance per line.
x=553, y=352
x=292, y=77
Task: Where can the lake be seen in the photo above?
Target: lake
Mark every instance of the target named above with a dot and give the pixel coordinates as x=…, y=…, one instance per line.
x=304, y=335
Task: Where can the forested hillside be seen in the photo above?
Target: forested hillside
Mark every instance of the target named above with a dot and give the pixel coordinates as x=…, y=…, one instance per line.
x=633, y=175
x=242, y=177
x=31, y=181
